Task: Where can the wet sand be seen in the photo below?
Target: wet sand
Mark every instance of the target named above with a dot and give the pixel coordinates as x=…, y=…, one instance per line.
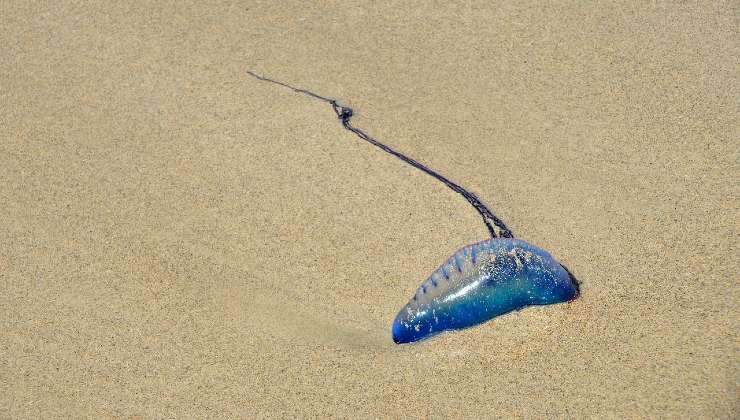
x=178, y=239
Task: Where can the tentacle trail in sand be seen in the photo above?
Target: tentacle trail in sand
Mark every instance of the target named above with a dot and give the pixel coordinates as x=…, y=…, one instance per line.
x=344, y=113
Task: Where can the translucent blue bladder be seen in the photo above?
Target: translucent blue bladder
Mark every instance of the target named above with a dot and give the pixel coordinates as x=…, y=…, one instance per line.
x=480, y=282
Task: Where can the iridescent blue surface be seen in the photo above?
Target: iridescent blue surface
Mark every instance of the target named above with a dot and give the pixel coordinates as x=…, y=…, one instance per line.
x=480, y=282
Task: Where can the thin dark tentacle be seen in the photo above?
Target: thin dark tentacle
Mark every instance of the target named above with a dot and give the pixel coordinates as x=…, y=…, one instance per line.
x=345, y=114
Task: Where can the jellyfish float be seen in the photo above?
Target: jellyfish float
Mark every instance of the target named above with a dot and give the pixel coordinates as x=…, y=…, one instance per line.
x=482, y=281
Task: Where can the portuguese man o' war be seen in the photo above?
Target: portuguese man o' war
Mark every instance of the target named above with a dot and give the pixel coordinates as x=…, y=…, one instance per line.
x=480, y=281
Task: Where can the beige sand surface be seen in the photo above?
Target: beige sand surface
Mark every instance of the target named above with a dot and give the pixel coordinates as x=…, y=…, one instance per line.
x=178, y=239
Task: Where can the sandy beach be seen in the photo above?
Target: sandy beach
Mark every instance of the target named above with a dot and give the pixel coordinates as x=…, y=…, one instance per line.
x=181, y=240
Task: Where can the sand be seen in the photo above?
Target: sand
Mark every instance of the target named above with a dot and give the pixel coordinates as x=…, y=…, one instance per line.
x=178, y=239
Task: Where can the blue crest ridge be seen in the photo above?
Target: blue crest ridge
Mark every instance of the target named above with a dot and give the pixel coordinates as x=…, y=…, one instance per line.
x=497, y=276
